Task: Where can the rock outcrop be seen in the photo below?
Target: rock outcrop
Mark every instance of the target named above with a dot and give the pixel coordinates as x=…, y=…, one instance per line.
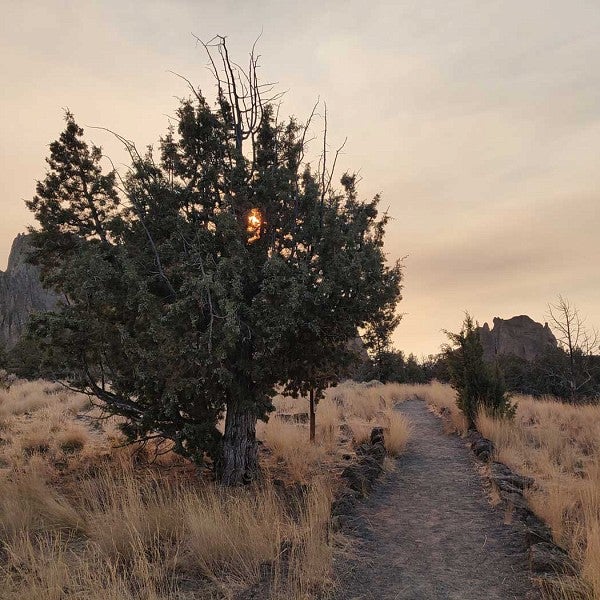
x=545, y=557
x=359, y=478
x=519, y=336
x=21, y=293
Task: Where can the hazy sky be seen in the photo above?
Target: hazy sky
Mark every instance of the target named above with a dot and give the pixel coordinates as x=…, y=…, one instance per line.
x=478, y=121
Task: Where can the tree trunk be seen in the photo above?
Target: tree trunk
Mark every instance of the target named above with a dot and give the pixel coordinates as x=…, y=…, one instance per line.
x=311, y=400
x=238, y=462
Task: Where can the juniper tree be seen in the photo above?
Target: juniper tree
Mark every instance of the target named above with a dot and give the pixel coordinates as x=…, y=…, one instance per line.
x=217, y=269
x=478, y=386
x=387, y=363
x=348, y=284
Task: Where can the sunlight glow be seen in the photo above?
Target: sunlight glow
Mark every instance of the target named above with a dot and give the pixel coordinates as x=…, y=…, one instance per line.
x=255, y=222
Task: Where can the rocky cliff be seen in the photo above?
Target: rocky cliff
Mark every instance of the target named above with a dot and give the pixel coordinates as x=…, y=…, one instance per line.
x=21, y=293
x=519, y=336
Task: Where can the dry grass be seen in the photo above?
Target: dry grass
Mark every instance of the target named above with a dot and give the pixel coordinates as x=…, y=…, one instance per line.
x=148, y=534
x=41, y=418
x=344, y=417
x=291, y=449
x=397, y=434
x=441, y=398
x=365, y=407
x=558, y=445
x=30, y=396
x=80, y=518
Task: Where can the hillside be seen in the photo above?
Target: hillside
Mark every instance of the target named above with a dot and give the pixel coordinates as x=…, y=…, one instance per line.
x=21, y=293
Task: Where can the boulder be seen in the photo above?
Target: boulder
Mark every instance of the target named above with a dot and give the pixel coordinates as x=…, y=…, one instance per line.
x=499, y=469
x=356, y=480
x=482, y=447
x=377, y=435
x=549, y=558
x=506, y=487
x=344, y=504
x=363, y=449
x=377, y=451
x=502, y=476
x=515, y=501
x=361, y=474
x=371, y=467
x=536, y=530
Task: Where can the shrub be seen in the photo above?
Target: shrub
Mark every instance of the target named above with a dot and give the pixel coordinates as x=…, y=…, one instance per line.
x=477, y=385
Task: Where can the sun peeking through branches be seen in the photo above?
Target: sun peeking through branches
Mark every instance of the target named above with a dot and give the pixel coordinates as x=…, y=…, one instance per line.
x=254, y=224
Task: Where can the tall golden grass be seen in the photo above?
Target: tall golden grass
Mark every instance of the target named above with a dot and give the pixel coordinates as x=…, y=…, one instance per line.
x=398, y=431
x=141, y=536
x=559, y=445
x=345, y=418
x=81, y=518
x=441, y=398
x=364, y=406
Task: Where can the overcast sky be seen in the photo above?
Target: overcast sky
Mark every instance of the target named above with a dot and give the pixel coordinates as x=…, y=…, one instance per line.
x=478, y=121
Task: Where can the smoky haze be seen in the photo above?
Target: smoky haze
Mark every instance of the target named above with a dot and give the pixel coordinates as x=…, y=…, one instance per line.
x=479, y=123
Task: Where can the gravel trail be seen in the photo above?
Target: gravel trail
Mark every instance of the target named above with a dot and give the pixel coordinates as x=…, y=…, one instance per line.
x=428, y=532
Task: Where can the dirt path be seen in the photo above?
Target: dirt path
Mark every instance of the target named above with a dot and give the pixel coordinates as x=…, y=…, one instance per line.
x=428, y=532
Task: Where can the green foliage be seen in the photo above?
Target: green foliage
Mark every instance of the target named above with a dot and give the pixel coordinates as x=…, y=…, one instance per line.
x=391, y=366
x=435, y=366
x=31, y=358
x=551, y=374
x=177, y=306
x=386, y=363
x=415, y=371
x=344, y=285
x=477, y=384
x=24, y=359
x=377, y=335
x=3, y=357
x=387, y=367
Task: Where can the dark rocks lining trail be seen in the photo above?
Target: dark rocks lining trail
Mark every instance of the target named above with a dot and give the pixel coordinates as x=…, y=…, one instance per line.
x=428, y=531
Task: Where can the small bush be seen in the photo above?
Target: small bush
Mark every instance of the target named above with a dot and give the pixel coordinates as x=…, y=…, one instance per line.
x=476, y=384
